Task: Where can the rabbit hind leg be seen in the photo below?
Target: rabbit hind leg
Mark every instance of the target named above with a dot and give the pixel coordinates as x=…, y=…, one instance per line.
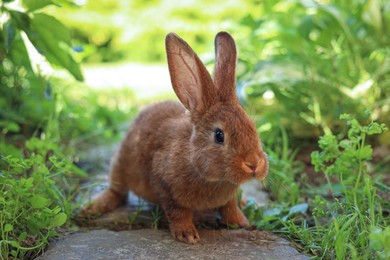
x=113, y=197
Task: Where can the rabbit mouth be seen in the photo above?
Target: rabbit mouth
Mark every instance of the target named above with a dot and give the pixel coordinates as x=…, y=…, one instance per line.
x=258, y=171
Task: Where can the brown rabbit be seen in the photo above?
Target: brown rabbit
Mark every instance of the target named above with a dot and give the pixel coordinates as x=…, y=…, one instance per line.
x=193, y=155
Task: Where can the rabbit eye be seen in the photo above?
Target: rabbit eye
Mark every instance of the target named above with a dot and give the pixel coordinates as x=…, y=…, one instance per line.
x=219, y=136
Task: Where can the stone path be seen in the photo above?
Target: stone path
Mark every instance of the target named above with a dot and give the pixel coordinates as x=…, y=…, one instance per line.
x=158, y=244
x=135, y=239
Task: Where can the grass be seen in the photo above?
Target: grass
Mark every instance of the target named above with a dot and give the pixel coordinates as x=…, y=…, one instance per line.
x=347, y=221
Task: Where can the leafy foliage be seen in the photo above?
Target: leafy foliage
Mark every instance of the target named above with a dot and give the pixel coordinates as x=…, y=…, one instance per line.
x=29, y=43
x=42, y=118
x=134, y=39
x=34, y=200
x=49, y=37
x=348, y=221
x=283, y=170
x=29, y=100
x=312, y=61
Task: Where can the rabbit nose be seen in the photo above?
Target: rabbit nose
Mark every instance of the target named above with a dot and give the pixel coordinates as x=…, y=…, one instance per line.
x=250, y=166
x=256, y=165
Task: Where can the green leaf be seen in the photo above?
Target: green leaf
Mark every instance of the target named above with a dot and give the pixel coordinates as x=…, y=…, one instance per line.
x=380, y=239
x=374, y=128
x=22, y=20
x=26, y=183
x=14, y=253
x=300, y=208
x=272, y=212
x=355, y=124
x=15, y=243
x=339, y=16
x=58, y=220
x=22, y=236
x=8, y=228
x=9, y=126
x=365, y=153
x=38, y=202
x=345, y=116
x=56, y=210
x=18, y=53
x=9, y=33
x=250, y=22
x=33, y=226
x=65, y=3
x=316, y=161
x=52, y=39
x=32, y=5
x=329, y=144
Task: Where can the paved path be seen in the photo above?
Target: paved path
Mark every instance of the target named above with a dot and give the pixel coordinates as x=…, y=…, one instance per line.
x=158, y=244
x=130, y=242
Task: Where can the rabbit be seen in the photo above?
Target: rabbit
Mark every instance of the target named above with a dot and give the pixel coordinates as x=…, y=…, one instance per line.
x=191, y=155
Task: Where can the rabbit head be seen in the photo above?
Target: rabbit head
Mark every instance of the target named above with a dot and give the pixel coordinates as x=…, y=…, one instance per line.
x=224, y=144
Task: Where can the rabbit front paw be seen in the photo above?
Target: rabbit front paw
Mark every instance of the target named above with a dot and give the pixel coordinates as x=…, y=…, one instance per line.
x=238, y=218
x=187, y=235
x=180, y=223
x=231, y=214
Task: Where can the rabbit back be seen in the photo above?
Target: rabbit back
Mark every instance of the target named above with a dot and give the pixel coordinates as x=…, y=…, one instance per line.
x=151, y=133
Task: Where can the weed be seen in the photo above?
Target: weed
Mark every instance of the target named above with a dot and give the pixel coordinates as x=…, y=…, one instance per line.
x=36, y=198
x=135, y=215
x=157, y=214
x=346, y=222
x=280, y=181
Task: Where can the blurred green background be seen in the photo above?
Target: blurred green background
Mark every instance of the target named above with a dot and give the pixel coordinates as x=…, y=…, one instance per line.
x=301, y=63
x=73, y=74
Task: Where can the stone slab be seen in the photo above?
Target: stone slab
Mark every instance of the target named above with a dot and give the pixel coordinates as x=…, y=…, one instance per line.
x=158, y=244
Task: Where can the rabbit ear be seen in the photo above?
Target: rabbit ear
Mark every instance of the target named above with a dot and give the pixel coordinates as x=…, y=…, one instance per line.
x=225, y=67
x=190, y=79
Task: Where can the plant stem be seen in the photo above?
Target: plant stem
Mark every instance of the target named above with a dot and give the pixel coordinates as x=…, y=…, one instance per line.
x=360, y=173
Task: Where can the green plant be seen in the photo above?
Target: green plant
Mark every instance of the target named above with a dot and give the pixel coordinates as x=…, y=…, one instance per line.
x=283, y=170
x=157, y=214
x=49, y=36
x=346, y=159
x=83, y=114
x=37, y=197
x=380, y=241
x=31, y=42
x=346, y=222
x=42, y=119
x=303, y=62
x=358, y=202
x=45, y=164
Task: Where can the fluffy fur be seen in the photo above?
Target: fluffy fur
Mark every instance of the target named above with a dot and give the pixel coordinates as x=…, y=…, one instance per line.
x=170, y=156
